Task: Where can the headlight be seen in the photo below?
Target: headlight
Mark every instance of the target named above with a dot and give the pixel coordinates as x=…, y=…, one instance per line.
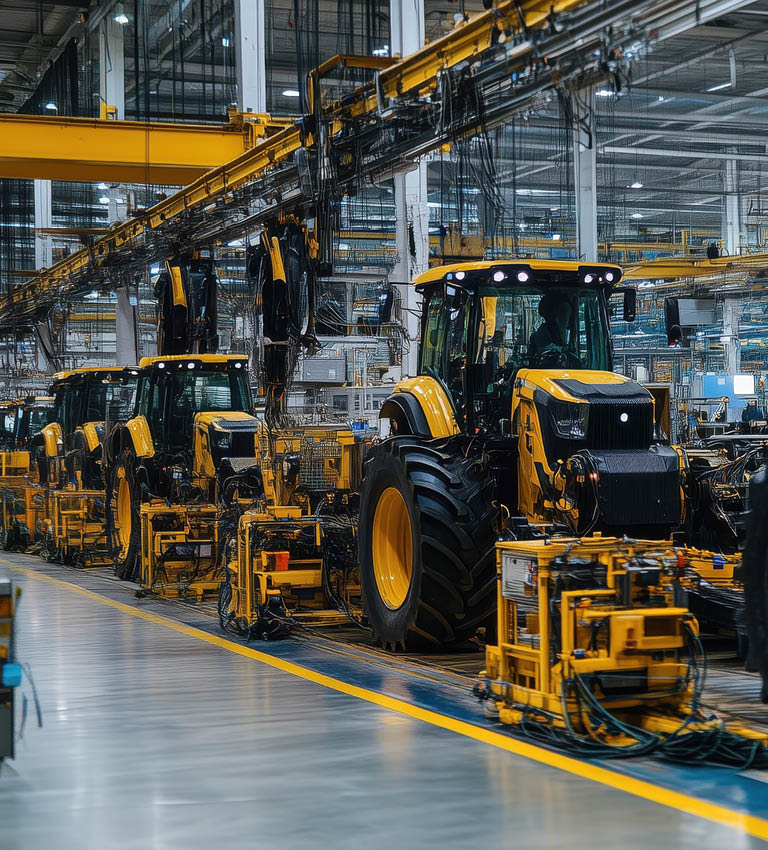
x=223, y=440
x=570, y=420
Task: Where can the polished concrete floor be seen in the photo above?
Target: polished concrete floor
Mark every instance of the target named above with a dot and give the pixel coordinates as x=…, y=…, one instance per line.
x=155, y=739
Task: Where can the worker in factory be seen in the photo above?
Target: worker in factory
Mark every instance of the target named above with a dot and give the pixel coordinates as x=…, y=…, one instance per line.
x=752, y=413
x=553, y=332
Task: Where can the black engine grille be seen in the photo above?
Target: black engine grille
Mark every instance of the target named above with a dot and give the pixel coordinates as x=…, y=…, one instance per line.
x=620, y=424
x=243, y=444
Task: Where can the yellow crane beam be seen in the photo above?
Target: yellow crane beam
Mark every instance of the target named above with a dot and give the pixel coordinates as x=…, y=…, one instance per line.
x=673, y=268
x=94, y=149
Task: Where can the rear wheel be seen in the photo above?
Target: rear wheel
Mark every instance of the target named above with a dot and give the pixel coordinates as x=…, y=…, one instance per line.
x=124, y=521
x=427, y=535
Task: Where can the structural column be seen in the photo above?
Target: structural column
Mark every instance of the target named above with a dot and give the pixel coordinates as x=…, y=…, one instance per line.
x=731, y=341
x=411, y=210
x=43, y=219
x=112, y=92
x=112, y=65
x=250, y=58
x=585, y=175
x=732, y=228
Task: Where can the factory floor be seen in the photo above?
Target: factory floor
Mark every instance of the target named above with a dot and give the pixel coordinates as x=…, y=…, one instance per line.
x=161, y=734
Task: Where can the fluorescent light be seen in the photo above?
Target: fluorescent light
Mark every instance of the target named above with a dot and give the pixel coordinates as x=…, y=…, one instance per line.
x=603, y=92
x=104, y=200
x=381, y=51
x=103, y=187
x=637, y=215
x=121, y=18
x=290, y=93
x=720, y=86
x=51, y=105
x=236, y=243
x=636, y=185
x=556, y=237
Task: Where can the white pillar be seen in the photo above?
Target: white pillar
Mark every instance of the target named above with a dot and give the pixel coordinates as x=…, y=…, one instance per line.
x=112, y=64
x=125, y=329
x=585, y=176
x=731, y=341
x=732, y=229
x=43, y=218
x=411, y=211
x=250, y=56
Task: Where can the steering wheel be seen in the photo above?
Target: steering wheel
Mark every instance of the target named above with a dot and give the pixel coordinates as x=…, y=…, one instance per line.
x=555, y=357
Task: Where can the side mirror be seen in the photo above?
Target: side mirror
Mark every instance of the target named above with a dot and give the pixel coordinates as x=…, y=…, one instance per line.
x=630, y=304
x=672, y=321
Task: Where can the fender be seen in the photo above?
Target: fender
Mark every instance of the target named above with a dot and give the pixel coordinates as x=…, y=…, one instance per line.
x=91, y=433
x=141, y=438
x=423, y=406
x=52, y=439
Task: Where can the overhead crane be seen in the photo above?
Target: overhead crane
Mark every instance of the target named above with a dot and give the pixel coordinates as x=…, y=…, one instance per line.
x=102, y=149
x=509, y=55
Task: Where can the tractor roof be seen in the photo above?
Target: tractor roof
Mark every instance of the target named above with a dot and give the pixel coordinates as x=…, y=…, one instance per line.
x=86, y=370
x=439, y=273
x=203, y=359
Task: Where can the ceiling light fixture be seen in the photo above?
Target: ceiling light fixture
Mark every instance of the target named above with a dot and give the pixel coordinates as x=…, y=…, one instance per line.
x=290, y=93
x=636, y=185
x=120, y=16
x=51, y=105
x=720, y=86
x=637, y=215
x=104, y=200
x=603, y=92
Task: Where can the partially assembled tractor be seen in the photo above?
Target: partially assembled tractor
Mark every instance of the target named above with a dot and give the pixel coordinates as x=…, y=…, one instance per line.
x=70, y=462
x=185, y=454
x=23, y=504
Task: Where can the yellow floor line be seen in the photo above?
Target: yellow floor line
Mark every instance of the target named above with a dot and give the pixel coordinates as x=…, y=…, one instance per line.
x=672, y=799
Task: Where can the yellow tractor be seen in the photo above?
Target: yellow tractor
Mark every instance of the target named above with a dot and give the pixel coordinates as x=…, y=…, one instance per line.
x=23, y=503
x=185, y=455
x=516, y=425
x=70, y=461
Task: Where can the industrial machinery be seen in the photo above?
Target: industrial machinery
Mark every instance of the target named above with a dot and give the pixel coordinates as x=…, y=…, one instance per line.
x=22, y=505
x=292, y=556
x=597, y=653
x=10, y=669
x=70, y=465
x=186, y=453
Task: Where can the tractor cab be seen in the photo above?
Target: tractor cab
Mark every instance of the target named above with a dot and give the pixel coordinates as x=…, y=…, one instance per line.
x=75, y=433
x=8, y=413
x=485, y=323
x=192, y=412
x=32, y=415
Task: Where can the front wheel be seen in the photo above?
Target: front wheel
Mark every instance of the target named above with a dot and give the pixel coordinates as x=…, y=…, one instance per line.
x=427, y=536
x=124, y=521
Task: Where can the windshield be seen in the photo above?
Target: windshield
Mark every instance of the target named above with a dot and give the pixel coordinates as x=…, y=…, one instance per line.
x=543, y=328
x=210, y=391
x=39, y=417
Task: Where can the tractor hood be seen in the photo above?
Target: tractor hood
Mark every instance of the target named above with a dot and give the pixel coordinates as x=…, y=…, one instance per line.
x=588, y=409
x=223, y=434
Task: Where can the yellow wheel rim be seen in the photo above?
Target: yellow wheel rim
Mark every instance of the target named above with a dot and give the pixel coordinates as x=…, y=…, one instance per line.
x=392, y=548
x=124, y=517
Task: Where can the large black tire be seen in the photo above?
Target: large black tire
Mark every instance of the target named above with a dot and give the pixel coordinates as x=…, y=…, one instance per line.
x=451, y=517
x=755, y=578
x=123, y=518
